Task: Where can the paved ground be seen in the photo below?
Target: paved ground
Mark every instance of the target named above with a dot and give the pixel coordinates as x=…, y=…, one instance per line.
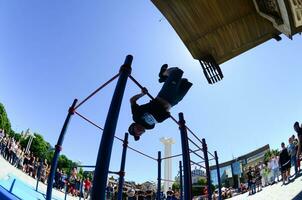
x=7, y=174
x=292, y=190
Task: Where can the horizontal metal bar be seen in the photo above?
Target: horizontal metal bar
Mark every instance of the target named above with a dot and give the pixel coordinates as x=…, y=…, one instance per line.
x=197, y=155
x=97, y=90
x=86, y=166
x=194, y=163
x=111, y=172
x=194, y=143
x=168, y=180
x=174, y=156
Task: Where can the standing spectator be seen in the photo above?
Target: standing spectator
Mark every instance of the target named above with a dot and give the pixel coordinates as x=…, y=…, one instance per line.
x=2, y=141
x=2, y=136
x=30, y=166
x=109, y=191
x=36, y=167
x=250, y=178
x=258, y=178
x=13, y=150
x=296, y=143
x=284, y=161
x=63, y=180
x=58, y=175
x=72, y=182
x=149, y=194
x=87, y=187
x=19, y=160
x=131, y=194
x=264, y=172
x=293, y=154
x=26, y=162
x=274, y=165
x=298, y=129
x=140, y=195
x=43, y=171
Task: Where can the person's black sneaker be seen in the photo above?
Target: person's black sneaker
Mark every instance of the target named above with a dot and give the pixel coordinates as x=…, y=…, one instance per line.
x=162, y=77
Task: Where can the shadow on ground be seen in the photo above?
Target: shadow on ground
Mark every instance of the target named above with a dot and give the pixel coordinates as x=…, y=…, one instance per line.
x=298, y=197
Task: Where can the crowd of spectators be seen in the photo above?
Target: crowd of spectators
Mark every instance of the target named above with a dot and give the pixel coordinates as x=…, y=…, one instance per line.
x=139, y=194
x=38, y=168
x=276, y=169
x=12, y=151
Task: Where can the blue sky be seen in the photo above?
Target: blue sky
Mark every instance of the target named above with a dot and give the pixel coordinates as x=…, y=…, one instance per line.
x=54, y=51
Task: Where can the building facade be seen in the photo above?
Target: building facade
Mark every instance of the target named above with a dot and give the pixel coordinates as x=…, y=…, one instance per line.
x=233, y=172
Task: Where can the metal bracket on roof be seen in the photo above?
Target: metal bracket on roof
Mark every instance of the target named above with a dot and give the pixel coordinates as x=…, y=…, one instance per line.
x=211, y=70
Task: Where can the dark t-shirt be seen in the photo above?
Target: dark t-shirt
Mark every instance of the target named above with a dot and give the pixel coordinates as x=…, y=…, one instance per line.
x=250, y=174
x=284, y=157
x=149, y=114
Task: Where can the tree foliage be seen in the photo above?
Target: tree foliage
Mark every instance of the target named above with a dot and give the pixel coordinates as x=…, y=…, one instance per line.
x=270, y=153
x=4, y=121
x=176, y=186
x=39, y=147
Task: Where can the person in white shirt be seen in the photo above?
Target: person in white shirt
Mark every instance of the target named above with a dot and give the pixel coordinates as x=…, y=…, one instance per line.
x=274, y=165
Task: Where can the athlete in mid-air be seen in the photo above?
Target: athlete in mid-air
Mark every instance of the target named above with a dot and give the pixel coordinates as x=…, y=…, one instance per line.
x=156, y=111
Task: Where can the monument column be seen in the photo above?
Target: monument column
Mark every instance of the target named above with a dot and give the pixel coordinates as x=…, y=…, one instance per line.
x=167, y=162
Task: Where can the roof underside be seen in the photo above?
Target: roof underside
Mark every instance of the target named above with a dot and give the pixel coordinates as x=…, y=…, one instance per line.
x=221, y=28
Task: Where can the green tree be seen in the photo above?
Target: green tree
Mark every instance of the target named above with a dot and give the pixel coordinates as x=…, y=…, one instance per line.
x=176, y=186
x=197, y=188
x=4, y=121
x=270, y=153
x=39, y=146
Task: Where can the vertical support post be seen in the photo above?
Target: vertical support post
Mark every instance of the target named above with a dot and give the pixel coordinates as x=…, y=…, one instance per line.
x=66, y=188
x=158, y=176
x=185, y=158
x=105, y=149
x=180, y=181
x=206, y=160
x=122, y=168
x=218, y=176
x=12, y=186
x=58, y=148
x=81, y=190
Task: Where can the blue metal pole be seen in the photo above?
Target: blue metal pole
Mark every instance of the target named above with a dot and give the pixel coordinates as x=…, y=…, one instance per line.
x=81, y=189
x=105, y=149
x=206, y=160
x=122, y=168
x=218, y=176
x=58, y=148
x=66, y=188
x=158, y=176
x=185, y=158
x=12, y=186
x=180, y=181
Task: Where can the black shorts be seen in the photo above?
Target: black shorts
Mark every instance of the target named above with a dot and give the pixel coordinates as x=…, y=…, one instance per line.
x=286, y=167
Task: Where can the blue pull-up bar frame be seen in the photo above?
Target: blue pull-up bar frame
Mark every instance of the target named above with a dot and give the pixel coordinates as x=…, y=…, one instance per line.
x=105, y=148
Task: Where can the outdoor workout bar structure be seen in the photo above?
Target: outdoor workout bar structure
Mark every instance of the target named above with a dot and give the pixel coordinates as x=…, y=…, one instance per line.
x=105, y=148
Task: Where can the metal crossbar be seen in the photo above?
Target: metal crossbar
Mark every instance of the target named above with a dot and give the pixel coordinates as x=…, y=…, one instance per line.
x=97, y=90
x=168, y=180
x=178, y=155
x=197, y=155
x=195, y=163
x=193, y=143
x=116, y=137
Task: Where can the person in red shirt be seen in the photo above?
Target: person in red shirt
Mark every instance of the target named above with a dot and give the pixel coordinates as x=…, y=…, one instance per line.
x=87, y=187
